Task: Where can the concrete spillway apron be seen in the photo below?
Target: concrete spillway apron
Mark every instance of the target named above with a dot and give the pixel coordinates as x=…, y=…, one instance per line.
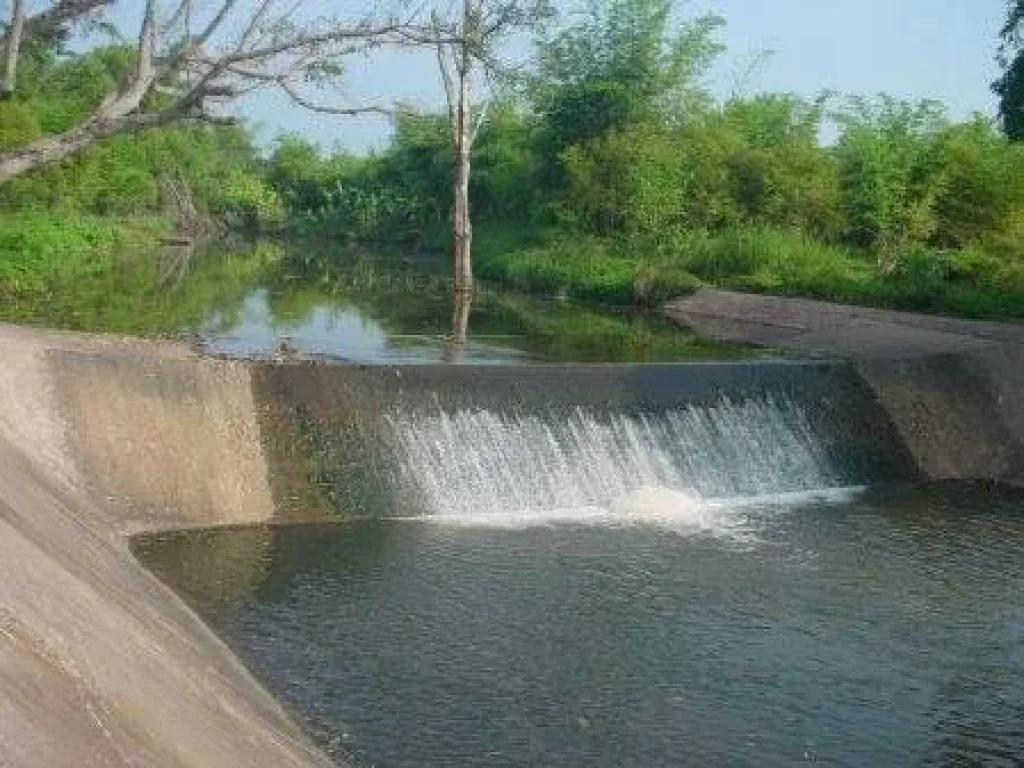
x=100, y=664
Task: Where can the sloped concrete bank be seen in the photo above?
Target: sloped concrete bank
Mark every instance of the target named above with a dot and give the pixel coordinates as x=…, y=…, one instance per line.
x=953, y=388
x=100, y=664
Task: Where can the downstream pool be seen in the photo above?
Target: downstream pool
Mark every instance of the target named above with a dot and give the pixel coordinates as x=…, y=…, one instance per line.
x=852, y=629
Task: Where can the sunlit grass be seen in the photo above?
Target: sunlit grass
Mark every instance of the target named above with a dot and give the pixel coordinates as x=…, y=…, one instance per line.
x=654, y=269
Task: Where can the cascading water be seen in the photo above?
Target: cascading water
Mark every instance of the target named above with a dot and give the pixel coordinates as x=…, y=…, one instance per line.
x=480, y=467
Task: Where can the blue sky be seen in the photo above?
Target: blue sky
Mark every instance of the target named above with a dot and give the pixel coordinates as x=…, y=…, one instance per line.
x=941, y=49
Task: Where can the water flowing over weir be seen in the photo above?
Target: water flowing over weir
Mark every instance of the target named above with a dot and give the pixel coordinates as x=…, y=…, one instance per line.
x=541, y=444
x=470, y=464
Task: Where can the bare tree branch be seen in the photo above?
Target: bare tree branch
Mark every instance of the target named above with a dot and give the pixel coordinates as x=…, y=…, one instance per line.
x=254, y=24
x=59, y=15
x=214, y=25
x=189, y=72
x=299, y=99
x=181, y=13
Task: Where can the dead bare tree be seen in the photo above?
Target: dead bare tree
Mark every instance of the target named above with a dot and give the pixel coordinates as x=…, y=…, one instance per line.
x=195, y=56
x=12, y=48
x=468, y=35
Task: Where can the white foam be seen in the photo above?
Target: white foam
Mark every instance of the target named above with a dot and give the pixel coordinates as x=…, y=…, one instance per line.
x=681, y=512
x=792, y=498
x=482, y=467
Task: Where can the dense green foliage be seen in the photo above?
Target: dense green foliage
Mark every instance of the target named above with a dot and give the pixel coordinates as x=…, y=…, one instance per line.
x=122, y=175
x=613, y=176
x=78, y=239
x=607, y=173
x=1010, y=87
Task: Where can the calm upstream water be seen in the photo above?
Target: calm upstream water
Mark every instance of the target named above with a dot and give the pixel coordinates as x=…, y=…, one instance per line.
x=408, y=320
x=851, y=629
x=339, y=303
x=361, y=307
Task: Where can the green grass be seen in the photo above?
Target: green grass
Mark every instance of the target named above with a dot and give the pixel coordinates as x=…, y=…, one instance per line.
x=967, y=283
x=104, y=274
x=567, y=331
x=40, y=251
x=648, y=271
x=586, y=269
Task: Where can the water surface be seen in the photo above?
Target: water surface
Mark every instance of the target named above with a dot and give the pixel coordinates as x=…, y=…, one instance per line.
x=379, y=309
x=883, y=630
x=275, y=298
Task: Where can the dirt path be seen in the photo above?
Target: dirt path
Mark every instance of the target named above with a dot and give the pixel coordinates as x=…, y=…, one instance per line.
x=819, y=327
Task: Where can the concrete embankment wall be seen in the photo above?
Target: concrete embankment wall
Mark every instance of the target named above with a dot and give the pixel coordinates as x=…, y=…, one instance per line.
x=100, y=664
x=960, y=414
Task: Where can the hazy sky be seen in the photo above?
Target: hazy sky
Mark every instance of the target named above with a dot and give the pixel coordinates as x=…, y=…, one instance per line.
x=941, y=49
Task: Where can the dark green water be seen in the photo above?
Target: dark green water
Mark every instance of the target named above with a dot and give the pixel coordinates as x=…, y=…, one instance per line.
x=887, y=630
x=351, y=305
x=367, y=308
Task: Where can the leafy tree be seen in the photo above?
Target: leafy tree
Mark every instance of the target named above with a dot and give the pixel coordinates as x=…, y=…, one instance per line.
x=183, y=61
x=626, y=64
x=779, y=173
x=1010, y=87
x=299, y=174
x=981, y=196
x=625, y=181
x=890, y=172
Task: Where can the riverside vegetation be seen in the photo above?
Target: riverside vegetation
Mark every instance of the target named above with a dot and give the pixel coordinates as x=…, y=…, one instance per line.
x=607, y=173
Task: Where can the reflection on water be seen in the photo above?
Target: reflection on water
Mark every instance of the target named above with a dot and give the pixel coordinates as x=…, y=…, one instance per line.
x=373, y=309
x=283, y=298
x=884, y=631
x=333, y=328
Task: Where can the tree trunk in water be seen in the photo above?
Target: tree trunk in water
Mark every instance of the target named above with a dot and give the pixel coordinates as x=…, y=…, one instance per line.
x=456, y=343
x=460, y=317
x=12, y=49
x=463, y=224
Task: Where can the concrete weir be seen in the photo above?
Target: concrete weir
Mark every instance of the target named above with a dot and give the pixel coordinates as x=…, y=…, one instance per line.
x=101, y=437
x=953, y=388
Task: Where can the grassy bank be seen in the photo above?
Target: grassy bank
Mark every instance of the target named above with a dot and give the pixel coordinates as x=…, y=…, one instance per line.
x=584, y=268
x=41, y=253
x=967, y=283
x=83, y=272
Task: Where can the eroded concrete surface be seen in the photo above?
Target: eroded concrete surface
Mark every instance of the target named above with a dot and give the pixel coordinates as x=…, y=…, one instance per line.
x=954, y=388
x=100, y=664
